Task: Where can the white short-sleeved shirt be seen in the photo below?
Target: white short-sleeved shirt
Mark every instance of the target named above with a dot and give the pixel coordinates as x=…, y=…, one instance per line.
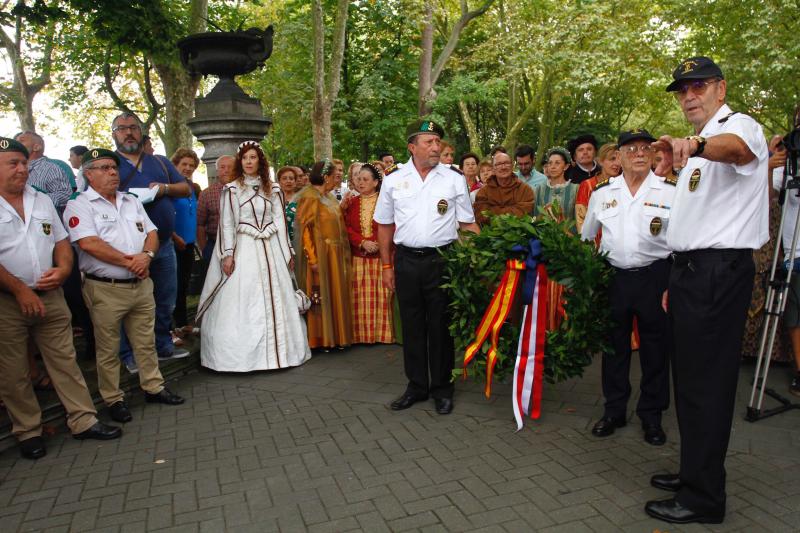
x=123, y=226
x=729, y=206
x=791, y=205
x=425, y=213
x=634, y=226
x=26, y=246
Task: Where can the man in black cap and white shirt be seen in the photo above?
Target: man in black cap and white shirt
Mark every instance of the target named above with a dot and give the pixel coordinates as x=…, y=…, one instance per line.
x=421, y=207
x=719, y=216
x=633, y=211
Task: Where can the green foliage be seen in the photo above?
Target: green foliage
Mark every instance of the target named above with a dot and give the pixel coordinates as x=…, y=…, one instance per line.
x=475, y=265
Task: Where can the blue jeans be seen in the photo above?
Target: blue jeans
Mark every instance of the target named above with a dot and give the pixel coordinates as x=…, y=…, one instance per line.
x=164, y=273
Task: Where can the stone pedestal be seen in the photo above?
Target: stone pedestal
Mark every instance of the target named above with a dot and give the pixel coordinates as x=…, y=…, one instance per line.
x=225, y=118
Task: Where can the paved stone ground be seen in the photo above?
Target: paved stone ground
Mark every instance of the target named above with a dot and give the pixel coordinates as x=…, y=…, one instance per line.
x=315, y=448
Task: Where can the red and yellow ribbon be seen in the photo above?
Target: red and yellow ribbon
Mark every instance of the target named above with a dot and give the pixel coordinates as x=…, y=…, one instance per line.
x=493, y=319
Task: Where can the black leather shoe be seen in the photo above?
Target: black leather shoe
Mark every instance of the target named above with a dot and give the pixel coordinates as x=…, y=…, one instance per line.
x=670, y=482
x=405, y=401
x=444, y=406
x=673, y=512
x=100, y=431
x=32, y=448
x=653, y=434
x=165, y=396
x=606, y=426
x=119, y=412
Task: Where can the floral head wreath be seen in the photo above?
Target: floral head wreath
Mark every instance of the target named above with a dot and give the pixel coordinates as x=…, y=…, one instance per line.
x=375, y=171
x=560, y=150
x=326, y=167
x=249, y=144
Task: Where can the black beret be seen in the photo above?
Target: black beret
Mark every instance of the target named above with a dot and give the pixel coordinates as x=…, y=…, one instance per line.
x=633, y=135
x=423, y=126
x=694, y=68
x=579, y=140
x=10, y=145
x=98, y=153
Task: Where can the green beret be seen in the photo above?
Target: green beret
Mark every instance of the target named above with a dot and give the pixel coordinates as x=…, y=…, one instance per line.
x=423, y=126
x=10, y=145
x=94, y=154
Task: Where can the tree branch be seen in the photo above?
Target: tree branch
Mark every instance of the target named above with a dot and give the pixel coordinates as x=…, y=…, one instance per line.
x=450, y=46
x=109, y=85
x=155, y=106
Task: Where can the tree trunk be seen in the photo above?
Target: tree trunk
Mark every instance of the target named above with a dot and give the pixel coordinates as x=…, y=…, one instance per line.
x=179, y=92
x=472, y=131
x=326, y=85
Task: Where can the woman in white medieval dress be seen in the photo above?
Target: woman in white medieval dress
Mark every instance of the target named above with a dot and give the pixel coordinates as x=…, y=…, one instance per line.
x=249, y=313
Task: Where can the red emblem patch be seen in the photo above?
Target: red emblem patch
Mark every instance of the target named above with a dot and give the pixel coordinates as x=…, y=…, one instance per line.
x=73, y=221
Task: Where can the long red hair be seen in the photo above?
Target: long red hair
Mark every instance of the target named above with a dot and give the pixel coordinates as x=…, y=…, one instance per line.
x=263, y=164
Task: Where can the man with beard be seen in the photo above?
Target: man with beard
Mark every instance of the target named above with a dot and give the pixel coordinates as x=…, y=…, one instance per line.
x=139, y=169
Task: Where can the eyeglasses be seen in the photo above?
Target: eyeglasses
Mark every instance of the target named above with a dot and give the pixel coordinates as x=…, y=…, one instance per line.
x=696, y=86
x=632, y=149
x=503, y=164
x=104, y=168
x=123, y=129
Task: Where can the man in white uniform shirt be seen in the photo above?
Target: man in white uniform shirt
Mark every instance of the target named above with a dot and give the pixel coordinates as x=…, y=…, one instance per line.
x=35, y=259
x=633, y=211
x=421, y=207
x=116, y=242
x=719, y=216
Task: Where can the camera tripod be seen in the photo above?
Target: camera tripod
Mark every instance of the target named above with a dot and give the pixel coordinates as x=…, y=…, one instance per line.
x=776, y=303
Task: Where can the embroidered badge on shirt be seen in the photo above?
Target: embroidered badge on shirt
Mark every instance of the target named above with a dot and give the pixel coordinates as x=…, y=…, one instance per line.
x=609, y=205
x=441, y=206
x=46, y=228
x=655, y=226
x=694, y=180
x=140, y=227
x=73, y=221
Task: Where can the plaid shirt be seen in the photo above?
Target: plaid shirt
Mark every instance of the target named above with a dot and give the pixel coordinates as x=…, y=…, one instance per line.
x=208, y=210
x=49, y=178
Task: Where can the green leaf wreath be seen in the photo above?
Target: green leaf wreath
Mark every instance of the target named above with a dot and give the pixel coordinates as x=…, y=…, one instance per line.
x=474, y=266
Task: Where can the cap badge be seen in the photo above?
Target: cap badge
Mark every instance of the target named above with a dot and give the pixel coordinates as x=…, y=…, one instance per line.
x=694, y=180
x=688, y=66
x=4, y=144
x=95, y=153
x=655, y=226
x=441, y=206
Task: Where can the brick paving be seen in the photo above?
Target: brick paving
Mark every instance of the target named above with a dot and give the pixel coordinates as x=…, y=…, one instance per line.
x=317, y=449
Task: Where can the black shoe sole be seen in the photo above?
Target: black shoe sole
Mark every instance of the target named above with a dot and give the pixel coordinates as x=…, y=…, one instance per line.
x=81, y=436
x=668, y=488
x=394, y=407
x=697, y=519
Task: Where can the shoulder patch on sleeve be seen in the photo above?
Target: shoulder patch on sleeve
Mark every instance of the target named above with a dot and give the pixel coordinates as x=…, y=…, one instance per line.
x=455, y=169
x=391, y=169
x=74, y=195
x=602, y=183
x=724, y=119
x=671, y=180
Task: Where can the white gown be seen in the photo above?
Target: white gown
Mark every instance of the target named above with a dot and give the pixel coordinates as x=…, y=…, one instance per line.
x=250, y=321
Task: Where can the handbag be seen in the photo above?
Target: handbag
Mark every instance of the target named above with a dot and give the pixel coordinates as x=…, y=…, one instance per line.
x=303, y=301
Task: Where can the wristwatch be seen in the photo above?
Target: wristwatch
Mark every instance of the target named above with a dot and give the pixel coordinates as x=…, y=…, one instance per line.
x=701, y=144
x=149, y=253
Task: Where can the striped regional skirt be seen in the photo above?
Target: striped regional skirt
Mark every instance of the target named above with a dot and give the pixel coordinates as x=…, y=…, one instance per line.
x=372, y=304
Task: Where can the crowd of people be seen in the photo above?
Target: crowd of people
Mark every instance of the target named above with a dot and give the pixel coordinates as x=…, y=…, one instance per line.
x=297, y=259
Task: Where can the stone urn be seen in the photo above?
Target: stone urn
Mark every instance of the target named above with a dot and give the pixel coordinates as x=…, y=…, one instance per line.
x=226, y=116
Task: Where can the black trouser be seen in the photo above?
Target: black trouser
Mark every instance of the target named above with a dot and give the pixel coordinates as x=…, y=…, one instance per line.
x=709, y=294
x=637, y=293
x=427, y=343
x=185, y=260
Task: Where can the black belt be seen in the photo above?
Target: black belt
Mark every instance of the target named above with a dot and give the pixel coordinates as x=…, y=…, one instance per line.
x=645, y=268
x=708, y=256
x=422, y=251
x=112, y=280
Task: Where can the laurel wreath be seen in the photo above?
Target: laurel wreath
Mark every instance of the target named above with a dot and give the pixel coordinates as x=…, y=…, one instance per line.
x=474, y=266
